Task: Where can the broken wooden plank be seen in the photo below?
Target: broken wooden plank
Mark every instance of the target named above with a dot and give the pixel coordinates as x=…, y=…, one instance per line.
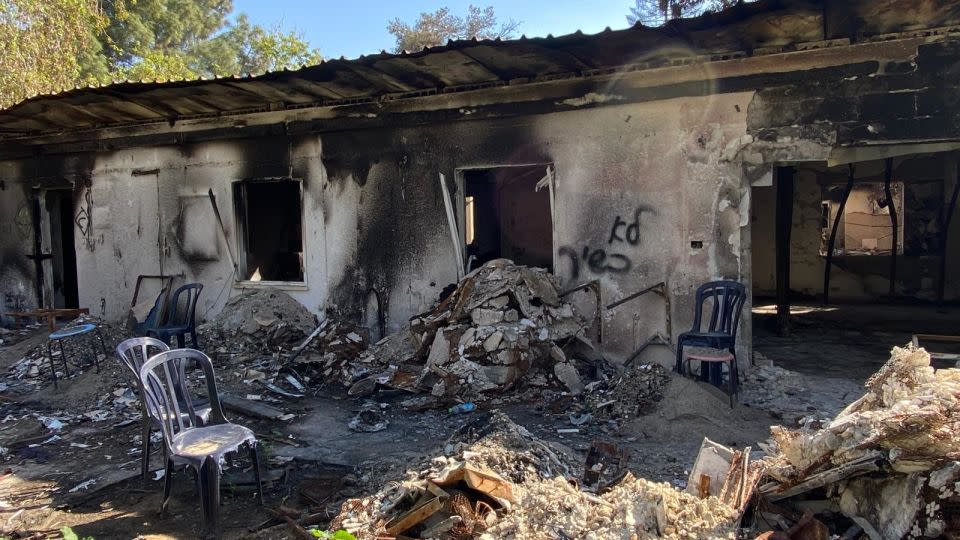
x=252, y=409
x=857, y=467
x=416, y=515
x=293, y=526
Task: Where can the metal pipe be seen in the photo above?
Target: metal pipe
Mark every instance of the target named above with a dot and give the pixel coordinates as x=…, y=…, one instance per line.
x=658, y=289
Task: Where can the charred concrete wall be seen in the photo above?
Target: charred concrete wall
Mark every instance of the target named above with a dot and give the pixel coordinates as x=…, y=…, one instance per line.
x=885, y=100
x=901, y=97
x=653, y=173
x=17, y=272
x=644, y=193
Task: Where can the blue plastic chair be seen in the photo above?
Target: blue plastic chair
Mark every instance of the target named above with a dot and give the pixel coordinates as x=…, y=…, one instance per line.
x=721, y=333
x=155, y=316
x=180, y=322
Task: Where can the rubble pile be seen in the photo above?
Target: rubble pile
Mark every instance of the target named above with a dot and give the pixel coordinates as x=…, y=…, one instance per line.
x=503, y=323
x=767, y=386
x=332, y=351
x=636, y=392
x=259, y=320
x=496, y=480
x=890, y=458
x=792, y=396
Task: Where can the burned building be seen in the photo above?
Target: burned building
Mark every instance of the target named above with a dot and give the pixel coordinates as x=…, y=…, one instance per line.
x=723, y=146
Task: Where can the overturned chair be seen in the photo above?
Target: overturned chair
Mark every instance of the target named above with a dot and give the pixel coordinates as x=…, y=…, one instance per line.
x=202, y=447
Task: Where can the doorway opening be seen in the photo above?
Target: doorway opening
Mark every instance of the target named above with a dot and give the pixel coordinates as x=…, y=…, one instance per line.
x=59, y=203
x=507, y=216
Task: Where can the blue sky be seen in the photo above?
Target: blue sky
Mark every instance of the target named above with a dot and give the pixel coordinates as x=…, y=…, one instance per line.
x=354, y=27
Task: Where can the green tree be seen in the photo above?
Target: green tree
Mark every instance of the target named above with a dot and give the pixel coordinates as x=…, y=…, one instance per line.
x=432, y=29
x=50, y=45
x=657, y=12
x=250, y=48
x=175, y=39
x=139, y=28
x=41, y=42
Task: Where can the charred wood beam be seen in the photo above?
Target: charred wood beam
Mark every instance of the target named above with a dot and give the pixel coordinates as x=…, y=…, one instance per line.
x=892, y=210
x=945, y=235
x=833, y=235
x=784, y=225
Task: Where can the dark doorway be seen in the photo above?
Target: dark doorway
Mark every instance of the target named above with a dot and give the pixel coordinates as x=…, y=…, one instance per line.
x=507, y=217
x=59, y=204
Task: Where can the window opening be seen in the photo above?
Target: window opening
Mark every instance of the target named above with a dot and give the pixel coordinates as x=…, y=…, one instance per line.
x=270, y=216
x=505, y=216
x=865, y=227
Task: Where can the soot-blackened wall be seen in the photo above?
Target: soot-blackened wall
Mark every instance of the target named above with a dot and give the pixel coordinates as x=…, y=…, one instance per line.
x=644, y=193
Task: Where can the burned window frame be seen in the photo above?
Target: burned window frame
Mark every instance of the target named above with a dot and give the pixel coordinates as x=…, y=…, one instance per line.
x=827, y=217
x=241, y=220
x=459, y=203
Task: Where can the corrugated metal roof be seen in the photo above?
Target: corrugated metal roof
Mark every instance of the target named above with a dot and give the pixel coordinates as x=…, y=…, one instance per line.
x=456, y=66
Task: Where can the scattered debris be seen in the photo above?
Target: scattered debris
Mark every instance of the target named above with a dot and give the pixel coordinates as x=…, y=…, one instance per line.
x=889, y=461
x=83, y=486
x=633, y=393
x=331, y=352
x=499, y=481
x=792, y=396
x=370, y=418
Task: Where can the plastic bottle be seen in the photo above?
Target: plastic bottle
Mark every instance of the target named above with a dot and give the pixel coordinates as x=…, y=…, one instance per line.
x=462, y=408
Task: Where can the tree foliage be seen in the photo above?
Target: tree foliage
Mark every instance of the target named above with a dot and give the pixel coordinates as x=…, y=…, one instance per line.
x=432, y=29
x=251, y=48
x=41, y=42
x=657, y=12
x=48, y=45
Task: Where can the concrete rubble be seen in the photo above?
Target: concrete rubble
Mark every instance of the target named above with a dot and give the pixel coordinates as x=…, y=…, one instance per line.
x=623, y=396
x=792, y=397
x=502, y=324
x=496, y=480
x=889, y=462
x=259, y=320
